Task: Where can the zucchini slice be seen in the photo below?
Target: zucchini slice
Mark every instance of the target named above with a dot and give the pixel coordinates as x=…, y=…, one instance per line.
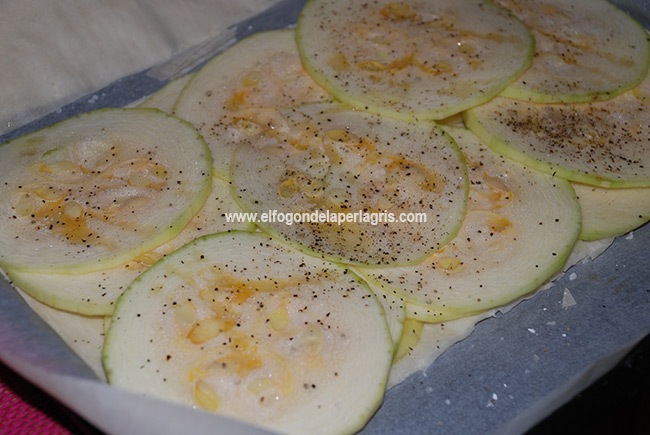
x=611, y=212
x=424, y=59
x=99, y=189
x=411, y=333
x=604, y=144
x=95, y=293
x=351, y=186
x=242, y=325
x=395, y=311
x=165, y=98
x=586, y=50
x=519, y=231
x=261, y=71
x=424, y=342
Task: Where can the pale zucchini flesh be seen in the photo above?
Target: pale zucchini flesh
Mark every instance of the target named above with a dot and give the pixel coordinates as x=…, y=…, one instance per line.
x=605, y=144
x=95, y=293
x=99, y=189
x=261, y=72
x=265, y=334
x=165, y=98
x=399, y=187
x=424, y=342
x=413, y=60
x=519, y=230
x=610, y=212
x=586, y=50
x=395, y=312
x=409, y=339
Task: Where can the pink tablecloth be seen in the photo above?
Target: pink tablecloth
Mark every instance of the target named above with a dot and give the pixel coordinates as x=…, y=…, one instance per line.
x=25, y=409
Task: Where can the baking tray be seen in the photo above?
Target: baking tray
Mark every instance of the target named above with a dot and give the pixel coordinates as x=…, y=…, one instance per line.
x=509, y=374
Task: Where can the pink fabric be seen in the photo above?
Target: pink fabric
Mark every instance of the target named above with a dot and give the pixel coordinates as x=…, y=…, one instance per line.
x=24, y=409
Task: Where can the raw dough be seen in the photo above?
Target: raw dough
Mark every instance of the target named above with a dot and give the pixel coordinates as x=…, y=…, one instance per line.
x=55, y=52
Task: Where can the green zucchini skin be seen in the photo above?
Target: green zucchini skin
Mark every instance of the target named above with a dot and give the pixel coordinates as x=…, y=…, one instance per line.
x=519, y=230
x=95, y=293
x=261, y=72
x=413, y=60
x=376, y=173
x=603, y=144
x=586, y=50
x=99, y=189
x=265, y=334
x=610, y=212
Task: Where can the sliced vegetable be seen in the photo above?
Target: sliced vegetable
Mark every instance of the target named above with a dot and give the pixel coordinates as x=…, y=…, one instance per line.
x=425, y=342
x=420, y=59
x=352, y=186
x=520, y=228
x=395, y=311
x=611, y=212
x=98, y=190
x=265, y=334
x=604, y=144
x=586, y=50
x=411, y=332
x=165, y=98
x=95, y=293
x=260, y=72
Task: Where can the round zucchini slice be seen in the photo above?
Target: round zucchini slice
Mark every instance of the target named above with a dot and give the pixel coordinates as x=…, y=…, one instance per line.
x=586, y=50
x=264, y=333
x=421, y=59
x=352, y=186
x=95, y=293
x=519, y=231
x=262, y=71
x=611, y=212
x=99, y=189
x=604, y=143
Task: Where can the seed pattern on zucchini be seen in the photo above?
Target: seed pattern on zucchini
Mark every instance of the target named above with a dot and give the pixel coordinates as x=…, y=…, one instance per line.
x=259, y=73
x=265, y=334
x=99, y=189
x=95, y=293
x=425, y=59
x=356, y=181
x=586, y=50
x=519, y=230
x=604, y=144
